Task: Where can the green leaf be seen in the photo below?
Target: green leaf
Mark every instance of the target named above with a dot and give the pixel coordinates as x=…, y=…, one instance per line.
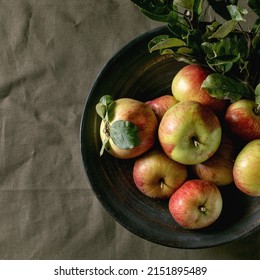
x=186, y=4
x=184, y=50
x=224, y=29
x=237, y=12
x=167, y=51
x=223, y=87
x=210, y=29
x=222, y=54
x=105, y=145
x=257, y=94
x=156, y=40
x=102, y=108
x=256, y=34
x=198, y=8
x=170, y=18
x=222, y=65
x=163, y=11
x=106, y=100
x=124, y=134
x=166, y=43
x=156, y=6
x=194, y=40
x=179, y=29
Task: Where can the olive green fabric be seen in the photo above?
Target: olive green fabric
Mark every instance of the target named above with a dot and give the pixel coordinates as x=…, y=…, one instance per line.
x=51, y=51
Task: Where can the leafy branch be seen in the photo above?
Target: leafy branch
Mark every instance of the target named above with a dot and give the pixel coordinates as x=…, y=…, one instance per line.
x=226, y=48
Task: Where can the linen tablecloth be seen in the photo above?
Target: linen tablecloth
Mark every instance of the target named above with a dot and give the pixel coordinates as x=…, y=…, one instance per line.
x=51, y=51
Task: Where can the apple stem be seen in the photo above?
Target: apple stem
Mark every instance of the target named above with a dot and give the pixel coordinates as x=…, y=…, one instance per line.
x=202, y=209
x=257, y=109
x=196, y=143
x=162, y=184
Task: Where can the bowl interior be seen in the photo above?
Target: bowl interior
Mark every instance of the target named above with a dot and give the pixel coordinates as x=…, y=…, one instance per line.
x=134, y=72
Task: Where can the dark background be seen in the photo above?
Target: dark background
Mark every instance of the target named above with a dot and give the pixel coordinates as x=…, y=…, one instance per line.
x=51, y=51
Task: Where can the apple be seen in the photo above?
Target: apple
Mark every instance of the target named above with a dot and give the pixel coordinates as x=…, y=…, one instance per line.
x=189, y=133
x=243, y=119
x=128, y=127
x=161, y=104
x=157, y=176
x=196, y=204
x=186, y=85
x=246, y=169
x=219, y=168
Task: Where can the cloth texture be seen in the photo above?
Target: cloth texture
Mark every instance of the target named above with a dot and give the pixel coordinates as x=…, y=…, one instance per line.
x=51, y=52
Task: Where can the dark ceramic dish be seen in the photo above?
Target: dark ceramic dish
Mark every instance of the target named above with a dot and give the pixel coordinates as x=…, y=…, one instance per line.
x=134, y=72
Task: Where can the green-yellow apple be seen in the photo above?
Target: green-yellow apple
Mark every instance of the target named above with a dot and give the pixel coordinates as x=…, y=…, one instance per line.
x=196, y=204
x=128, y=127
x=189, y=132
x=157, y=176
x=243, y=119
x=218, y=168
x=186, y=85
x=161, y=104
x=246, y=169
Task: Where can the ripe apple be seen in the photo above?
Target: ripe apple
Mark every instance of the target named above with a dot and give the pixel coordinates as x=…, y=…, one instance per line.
x=161, y=104
x=186, y=85
x=157, y=176
x=189, y=132
x=243, y=119
x=219, y=168
x=128, y=128
x=196, y=204
x=246, y=169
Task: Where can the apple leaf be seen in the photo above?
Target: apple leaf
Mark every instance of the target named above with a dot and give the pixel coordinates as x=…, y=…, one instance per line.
x=187, y=4
x=223, y=87
x=102, y=107
x=256, y=33
x=101, y=110
x=257, y=94
x=171, y=17
x=104, y=146
x=223, y=54
x=237, y=12
x=224, y=29
x=194, y=40
x=164, y=42
x=124, y=134
x=180, y=28
x=210, y=29
x=158, y=10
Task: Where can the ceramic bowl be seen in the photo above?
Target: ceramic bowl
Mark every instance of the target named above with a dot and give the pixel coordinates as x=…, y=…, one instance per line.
x=136, y=73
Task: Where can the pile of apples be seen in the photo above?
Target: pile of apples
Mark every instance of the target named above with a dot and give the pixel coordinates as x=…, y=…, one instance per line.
x=189, y=146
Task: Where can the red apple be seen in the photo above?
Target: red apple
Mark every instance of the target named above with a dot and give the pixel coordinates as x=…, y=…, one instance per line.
x=218, y=168
x=186, y=85
x=196, y=204
x=157, y=176
x=243, y=119
x=161, y=104
x=189, y=132
x=246, y=169
x=128, y=127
